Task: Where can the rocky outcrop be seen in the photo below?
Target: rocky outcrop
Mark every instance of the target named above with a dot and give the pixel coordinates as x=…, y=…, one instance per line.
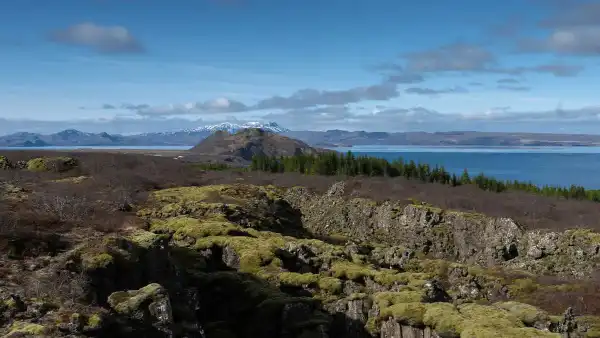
x=459, y=236
x=248, y=261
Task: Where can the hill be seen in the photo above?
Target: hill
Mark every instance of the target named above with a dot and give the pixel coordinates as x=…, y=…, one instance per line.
x=252, y=141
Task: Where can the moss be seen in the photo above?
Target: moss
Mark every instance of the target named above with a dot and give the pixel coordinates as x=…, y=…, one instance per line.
x=444, y=318
x=330, y=284
x=126, y=302
x=37, y=164
x=585, y=236
x=406, y=313
x=528, y=314
x=59, y=164
x=183, y=227
x=27, y=329
x=144, y=239
x=91, y=261
x=253, y=252
x=10, y=303
x=204, y=200
x=352, y=271
x=522, y=286
x=386, y=299
x=298, y=279
x=5, y=164
x=94, y=321
x=357, y=295
x=590, y=323
x=236, y=194
x=481, y=331
x=389, y=278
x=489, y=316
x=426, y=206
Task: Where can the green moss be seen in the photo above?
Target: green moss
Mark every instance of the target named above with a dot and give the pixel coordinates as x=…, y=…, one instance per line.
x=389, y=278
x=91, y=261
x=523, y=286
x=426, y=206
x=444, y=318
x=406, y=313
x=584, y=236
x=126, y=302
x=205, y=200
x=59, y=164
x=5, y=164
x=489, y=316
x=27, y=329
x=357, y=295
x=386, y=299
x=253, y=252
x=528, y=314
x=236, y=194
x=298, y=279
x=330, y=284
x=144, y=239
x=481, y=331
x=591, y=323
x=183, y=227
x=352, y=271
x=37, y=164
x=94, y=321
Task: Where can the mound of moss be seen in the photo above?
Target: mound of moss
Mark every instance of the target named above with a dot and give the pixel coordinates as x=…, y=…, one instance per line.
x=5, y=163
x=56, y=164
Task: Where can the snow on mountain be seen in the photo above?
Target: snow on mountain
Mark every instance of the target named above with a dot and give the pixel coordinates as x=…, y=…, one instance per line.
x=234, y=127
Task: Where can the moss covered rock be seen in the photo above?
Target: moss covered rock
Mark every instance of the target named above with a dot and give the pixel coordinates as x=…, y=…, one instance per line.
x=150, y=303
x=56, y=164
x=24, y=329
x=5, y=163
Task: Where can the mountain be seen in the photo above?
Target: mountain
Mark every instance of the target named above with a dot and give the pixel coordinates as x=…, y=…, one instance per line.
x=252, y=141
x=329, y=138
x=69, y=137
x=234, y=127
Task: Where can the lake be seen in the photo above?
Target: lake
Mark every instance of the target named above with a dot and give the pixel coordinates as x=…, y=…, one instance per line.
x=541, y=165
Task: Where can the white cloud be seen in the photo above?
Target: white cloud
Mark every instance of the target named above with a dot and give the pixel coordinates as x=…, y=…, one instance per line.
x=105, y=39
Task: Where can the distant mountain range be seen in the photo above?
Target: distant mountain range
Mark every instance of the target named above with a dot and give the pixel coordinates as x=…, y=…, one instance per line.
x=330, y=138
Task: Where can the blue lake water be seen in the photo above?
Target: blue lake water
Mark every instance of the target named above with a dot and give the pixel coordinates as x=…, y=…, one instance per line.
x=541, y=165
x=561, y=166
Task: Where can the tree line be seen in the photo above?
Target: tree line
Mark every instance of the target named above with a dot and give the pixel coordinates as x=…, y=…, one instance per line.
x=332, y=163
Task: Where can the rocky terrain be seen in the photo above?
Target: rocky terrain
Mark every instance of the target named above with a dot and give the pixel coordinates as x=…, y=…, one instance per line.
x=165, y=250
x=252, y=141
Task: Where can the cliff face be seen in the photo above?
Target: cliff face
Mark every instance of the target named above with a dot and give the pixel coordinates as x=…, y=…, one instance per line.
x=249, y=261
x=464, y=237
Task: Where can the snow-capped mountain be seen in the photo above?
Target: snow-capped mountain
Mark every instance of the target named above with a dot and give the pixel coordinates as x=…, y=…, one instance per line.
x=234, y=127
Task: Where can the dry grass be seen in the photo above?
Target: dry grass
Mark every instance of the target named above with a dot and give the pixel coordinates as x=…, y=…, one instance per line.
x=119, y=180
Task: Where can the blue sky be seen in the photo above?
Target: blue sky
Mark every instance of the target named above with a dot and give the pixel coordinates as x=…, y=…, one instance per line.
x=381, y=65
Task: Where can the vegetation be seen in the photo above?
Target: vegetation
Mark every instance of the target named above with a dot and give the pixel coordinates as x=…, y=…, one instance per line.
x=350, y=165
x=90, y=242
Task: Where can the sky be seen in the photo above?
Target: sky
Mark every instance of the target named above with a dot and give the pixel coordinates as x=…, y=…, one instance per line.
x=132, y=66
